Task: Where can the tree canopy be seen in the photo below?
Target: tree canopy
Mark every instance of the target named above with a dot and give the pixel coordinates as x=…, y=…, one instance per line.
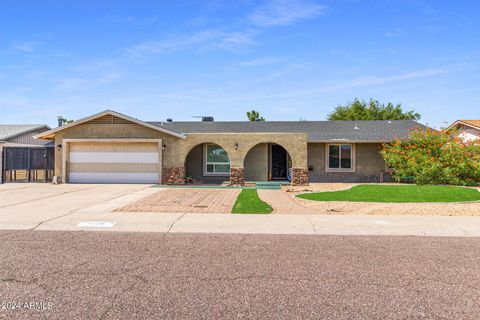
x=254, y=116
x=373, y=110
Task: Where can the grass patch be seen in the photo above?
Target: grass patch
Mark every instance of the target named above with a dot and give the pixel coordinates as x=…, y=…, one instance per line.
x=400, y=194
x=249, y=202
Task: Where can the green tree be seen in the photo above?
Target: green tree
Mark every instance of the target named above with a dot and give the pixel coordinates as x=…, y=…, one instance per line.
x=254, y=116
x=374, y=110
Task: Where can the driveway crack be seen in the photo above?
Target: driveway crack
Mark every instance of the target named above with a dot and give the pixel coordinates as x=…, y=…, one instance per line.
x=174, y=222
x=313, y=226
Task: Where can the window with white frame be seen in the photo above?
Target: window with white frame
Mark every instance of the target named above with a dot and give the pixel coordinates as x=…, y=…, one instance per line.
x=216, y=160
x=340, y=157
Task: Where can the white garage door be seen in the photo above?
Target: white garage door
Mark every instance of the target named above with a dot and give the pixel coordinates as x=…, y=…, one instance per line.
x=114, y=163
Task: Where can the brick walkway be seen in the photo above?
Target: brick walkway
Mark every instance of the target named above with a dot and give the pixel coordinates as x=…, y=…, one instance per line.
x=282, y=202
x=189, y=200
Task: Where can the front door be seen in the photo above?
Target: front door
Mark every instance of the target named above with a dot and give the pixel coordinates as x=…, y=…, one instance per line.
x=279, y=163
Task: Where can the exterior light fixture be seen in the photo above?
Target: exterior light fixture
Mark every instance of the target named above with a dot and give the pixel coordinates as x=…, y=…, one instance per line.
x=236, y=146
x=59, y=147
x=164, y=147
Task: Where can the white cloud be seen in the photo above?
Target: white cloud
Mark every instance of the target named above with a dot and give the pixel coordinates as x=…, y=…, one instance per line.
x=365, y=81
x=25, y=46
x=285, y=12
x=203, y=40
x=80, y=83
x=395, y=32
x=141, y=21
x=259, y=62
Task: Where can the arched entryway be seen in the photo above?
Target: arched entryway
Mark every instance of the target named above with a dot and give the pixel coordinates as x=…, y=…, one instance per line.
x=266, y=162
x=207, y=163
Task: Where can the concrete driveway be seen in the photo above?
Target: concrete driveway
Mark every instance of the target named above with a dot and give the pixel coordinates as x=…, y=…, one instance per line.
x=24, y=206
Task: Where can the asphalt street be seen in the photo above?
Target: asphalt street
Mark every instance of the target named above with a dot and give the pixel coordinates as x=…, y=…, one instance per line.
x=103, y=275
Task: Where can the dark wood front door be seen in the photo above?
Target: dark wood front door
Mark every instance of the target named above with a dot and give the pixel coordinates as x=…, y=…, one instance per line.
x=279, y=162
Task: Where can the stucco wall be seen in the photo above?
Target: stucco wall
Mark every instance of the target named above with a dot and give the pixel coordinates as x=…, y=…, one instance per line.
x=194, y=163
x=294, y=143
x=256, y=163
x=368, y=164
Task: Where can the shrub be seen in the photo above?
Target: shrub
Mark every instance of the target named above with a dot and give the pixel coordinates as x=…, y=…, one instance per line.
x=434, y=157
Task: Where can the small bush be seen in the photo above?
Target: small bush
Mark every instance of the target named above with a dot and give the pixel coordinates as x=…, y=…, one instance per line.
x=434, y=157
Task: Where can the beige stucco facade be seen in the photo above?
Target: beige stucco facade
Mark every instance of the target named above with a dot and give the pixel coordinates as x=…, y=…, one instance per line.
x=175, y=150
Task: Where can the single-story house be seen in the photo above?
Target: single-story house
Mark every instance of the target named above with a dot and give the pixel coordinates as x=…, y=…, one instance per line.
x=110, y=147
x=467, y=130
x=19, y=136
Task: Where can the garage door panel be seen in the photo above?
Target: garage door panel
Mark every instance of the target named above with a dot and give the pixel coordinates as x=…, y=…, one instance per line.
x=114, y=167
x=106, y=177
x=114, y=157
x=114, y=162
x=114, y=147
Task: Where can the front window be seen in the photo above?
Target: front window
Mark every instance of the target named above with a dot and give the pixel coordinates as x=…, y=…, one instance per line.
x=340, y=157
x=216, y=160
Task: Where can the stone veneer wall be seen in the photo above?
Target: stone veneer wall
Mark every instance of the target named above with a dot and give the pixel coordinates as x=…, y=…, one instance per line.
x=299, y=176
x=173, y=175
x=237, y=176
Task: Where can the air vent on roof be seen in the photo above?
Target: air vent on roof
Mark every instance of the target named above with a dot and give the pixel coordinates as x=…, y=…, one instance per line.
x=205, y=118
x=356, y=127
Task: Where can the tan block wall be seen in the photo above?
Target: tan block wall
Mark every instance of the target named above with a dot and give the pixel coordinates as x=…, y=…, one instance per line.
x=294, y=143
x=256, y=163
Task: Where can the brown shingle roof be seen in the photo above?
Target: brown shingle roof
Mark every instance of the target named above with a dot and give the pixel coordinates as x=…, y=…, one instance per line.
x=475, y=123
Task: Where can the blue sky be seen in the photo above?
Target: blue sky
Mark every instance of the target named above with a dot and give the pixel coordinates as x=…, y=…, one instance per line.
x=289, y=59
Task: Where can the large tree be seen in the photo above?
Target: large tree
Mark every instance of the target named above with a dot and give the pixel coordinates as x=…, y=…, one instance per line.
x=254, y=116
x=374, y=110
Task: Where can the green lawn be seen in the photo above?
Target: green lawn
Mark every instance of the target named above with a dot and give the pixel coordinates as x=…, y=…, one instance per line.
x=249, y=202
x=407, y=193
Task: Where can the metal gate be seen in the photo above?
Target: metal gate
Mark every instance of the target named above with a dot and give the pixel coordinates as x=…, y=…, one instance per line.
x=28, y=164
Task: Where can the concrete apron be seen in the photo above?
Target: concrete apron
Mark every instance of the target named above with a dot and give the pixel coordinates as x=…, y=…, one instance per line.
x=443, y=226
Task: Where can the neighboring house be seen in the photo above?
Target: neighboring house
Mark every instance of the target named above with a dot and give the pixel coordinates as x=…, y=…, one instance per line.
x=110, y=147
x=19, y=136
x=467, y=130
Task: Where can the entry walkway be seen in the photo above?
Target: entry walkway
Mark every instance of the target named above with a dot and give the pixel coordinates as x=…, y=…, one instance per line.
x=282, y=202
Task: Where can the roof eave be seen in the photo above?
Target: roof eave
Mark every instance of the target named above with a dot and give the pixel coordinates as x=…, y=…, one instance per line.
x=462, y=122
x=349, y=141
x=25, y=131
x=48, y=135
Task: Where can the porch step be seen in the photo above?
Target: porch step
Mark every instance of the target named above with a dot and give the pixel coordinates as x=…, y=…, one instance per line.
x=267, y=185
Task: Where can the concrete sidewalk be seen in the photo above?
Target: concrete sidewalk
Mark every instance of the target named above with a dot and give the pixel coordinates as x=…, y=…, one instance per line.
x=272, y=224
